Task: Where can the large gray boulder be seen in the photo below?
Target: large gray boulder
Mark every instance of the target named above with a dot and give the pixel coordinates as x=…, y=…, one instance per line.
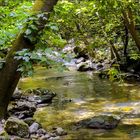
x=100, y=122
x=14, y=126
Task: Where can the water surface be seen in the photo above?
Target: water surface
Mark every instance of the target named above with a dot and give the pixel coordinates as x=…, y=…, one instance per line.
x=83, y=95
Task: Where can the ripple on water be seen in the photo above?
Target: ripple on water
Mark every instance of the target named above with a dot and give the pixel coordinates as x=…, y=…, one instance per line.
x=90, y=96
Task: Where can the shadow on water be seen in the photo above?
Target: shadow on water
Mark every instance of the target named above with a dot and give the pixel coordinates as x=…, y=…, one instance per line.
x=83, y=95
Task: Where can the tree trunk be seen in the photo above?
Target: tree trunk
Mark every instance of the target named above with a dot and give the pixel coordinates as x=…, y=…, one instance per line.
x=126, y=39
x=129, y=21
x=9, y=76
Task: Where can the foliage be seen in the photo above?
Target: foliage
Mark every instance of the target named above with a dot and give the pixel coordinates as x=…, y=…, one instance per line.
x=98, y=25
x=45, y=57
x=135, y=56
x=114, y=74
x=11, y=21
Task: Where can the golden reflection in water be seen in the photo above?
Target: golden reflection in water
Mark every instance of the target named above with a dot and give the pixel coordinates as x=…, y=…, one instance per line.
x=90, y=96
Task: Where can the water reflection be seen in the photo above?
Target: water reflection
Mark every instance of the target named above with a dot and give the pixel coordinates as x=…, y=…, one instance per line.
x=82, y=95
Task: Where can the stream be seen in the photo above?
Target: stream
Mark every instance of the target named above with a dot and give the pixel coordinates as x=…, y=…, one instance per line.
x=81, y=95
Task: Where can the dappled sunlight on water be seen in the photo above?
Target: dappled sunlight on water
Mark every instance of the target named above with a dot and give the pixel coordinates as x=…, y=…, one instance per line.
x=83, y=95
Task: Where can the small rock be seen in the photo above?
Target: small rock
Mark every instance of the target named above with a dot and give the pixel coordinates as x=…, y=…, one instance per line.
x=53, y=134
x=60, y=131
x=41, y=131
x=54, y=138
x=33, y=128
x=42, y=105
x=39, y=135
x=81, y=59
x=45, y=137
x=29, y=121
x=17, y=138
x=34, y=137
x=17, y=127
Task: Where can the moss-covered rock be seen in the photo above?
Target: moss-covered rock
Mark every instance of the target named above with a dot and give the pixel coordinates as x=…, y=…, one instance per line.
x=17, y=127
x=4, y=135
x=100, y=122
x=40, y=95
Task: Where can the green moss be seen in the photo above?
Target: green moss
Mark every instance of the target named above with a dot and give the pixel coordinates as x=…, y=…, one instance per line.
x=38, y=5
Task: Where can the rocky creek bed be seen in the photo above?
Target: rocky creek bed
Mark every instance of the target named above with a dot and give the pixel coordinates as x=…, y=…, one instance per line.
x=20, y=123
x=74, y=90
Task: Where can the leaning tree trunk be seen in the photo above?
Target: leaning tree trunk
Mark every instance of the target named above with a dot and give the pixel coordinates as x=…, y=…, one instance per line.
x=9, y=76
x=129, y=21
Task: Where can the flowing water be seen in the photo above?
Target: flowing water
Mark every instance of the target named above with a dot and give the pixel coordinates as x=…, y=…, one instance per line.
x=83, y=95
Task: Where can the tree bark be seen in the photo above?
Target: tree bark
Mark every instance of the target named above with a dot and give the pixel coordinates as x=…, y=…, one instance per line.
x=126, y=39
x=9, y=76
x=129, y=21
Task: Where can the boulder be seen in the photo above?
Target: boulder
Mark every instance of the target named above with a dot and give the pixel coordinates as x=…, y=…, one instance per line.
x=85, y=66
x=21, y=106
x=100, y=122
x=23, y=109
x=16, y=95
x=41, y=96
x=131, y=77
x=17, y=127
x=45, y=99
x=33, y=128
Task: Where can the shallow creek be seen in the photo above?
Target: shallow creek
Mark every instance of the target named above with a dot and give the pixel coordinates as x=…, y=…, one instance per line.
x=83, y=95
